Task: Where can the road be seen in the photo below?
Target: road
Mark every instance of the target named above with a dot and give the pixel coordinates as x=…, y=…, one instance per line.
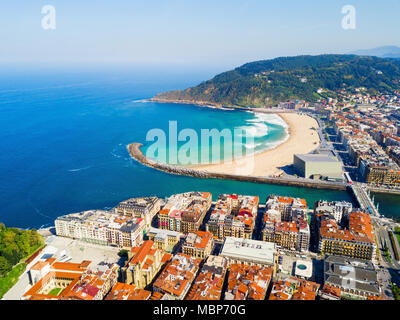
x=361, y=193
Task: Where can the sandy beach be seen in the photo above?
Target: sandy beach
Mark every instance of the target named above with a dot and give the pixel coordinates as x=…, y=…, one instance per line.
x=303, y=138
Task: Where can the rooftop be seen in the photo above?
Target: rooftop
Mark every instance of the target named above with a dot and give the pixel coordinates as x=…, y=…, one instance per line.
x=258, y=251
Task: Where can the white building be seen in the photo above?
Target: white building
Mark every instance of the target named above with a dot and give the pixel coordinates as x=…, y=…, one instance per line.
x=251, y=252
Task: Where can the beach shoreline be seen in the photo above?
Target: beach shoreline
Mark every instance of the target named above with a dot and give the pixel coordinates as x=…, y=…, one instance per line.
x=302, y=138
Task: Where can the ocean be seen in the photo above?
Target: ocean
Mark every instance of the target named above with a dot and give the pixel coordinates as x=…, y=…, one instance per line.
x=63, y=137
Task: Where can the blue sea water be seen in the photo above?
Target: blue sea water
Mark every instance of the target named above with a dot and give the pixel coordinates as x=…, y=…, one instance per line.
x=63, y=137
x=247, y=133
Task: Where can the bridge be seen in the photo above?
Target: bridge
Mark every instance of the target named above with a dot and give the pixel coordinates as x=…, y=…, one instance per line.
x=361, y=193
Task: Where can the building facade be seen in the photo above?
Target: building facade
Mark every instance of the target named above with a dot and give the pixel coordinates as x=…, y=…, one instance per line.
x=250, y=252
x=164, y=239
x=185, y=212
x=286, y=223
x=198, y=244
x=101, y=227
x=145, y=208
x=356, y=240
x=177, y=277
x=233, y=216
x=143, y=264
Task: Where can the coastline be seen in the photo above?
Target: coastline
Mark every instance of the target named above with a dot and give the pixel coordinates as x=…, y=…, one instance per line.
x=137, y=154
x=302, y=138
x=221, y=106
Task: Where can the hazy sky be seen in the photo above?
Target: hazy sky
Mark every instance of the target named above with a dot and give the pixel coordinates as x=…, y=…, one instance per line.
x=204, y=33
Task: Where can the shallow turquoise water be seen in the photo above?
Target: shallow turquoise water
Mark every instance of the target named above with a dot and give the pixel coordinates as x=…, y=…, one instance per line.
x=63, y=138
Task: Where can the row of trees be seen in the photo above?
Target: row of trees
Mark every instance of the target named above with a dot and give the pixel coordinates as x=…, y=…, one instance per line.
x=16, y=244
x=396, y=291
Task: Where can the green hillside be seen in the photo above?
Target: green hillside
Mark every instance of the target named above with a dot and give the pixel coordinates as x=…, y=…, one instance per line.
x=268, y=82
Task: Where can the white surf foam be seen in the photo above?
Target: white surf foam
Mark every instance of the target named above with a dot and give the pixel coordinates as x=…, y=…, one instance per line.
x=79, y=169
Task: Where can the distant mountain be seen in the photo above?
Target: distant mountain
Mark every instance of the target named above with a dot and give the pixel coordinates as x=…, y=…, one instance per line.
x=382, y=52
x=268, y=82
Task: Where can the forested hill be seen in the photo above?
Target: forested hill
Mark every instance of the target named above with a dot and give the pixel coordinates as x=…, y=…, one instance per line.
x=268, y=82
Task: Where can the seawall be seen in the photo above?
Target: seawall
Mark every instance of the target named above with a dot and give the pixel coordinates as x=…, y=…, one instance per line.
x=137, y=154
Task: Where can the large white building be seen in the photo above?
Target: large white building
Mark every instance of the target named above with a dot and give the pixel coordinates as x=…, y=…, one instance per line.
x=101, y=227
x=251, y=252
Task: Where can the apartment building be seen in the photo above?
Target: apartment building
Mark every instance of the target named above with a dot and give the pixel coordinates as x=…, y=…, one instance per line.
x=376, y=173
x=198, y=244
x=337, y=209
x=145, y=208
x=101, y=227
x=164, y=239
x=177, y=277
x=185, y=212
x=246, y=282
x=286, y=223
x=294, y=289
x=208, y=284
x=233, y=216
x=356, y=240
x=361, y=133
x=143, y=264
x=124, y=291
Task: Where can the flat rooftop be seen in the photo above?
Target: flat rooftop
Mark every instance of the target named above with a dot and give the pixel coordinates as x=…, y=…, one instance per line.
x=351, y=274
x=316, y=158
x=303, y=268
x=254, y=250
x=162, y=233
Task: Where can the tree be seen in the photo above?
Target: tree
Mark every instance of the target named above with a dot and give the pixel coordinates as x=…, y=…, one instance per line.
x=123, y=253
x=16, y=244
x=4, y=266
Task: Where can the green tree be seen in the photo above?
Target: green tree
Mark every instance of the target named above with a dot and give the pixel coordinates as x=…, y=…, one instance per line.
x=123, y=253
x=4, y=266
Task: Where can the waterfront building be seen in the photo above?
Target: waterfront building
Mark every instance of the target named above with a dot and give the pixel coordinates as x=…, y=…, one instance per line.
x=143, y=264
x=318, y=166
x=286, y=223
x=101, y=227
x=164, y=239
x=394, y=153
x=177, y=277
x=124, y=291
x=209, y=282
x=337, y=209
x=233, y=216
x=294, y=289
x=145, y=208
x=248, y=282
x=379, y=174
x=250, y=252
x=356, y=279
x=185, y=212
x=198, y=244
x=356, y=240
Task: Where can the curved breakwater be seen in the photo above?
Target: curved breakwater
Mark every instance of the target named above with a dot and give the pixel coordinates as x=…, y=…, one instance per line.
x=137, y=154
